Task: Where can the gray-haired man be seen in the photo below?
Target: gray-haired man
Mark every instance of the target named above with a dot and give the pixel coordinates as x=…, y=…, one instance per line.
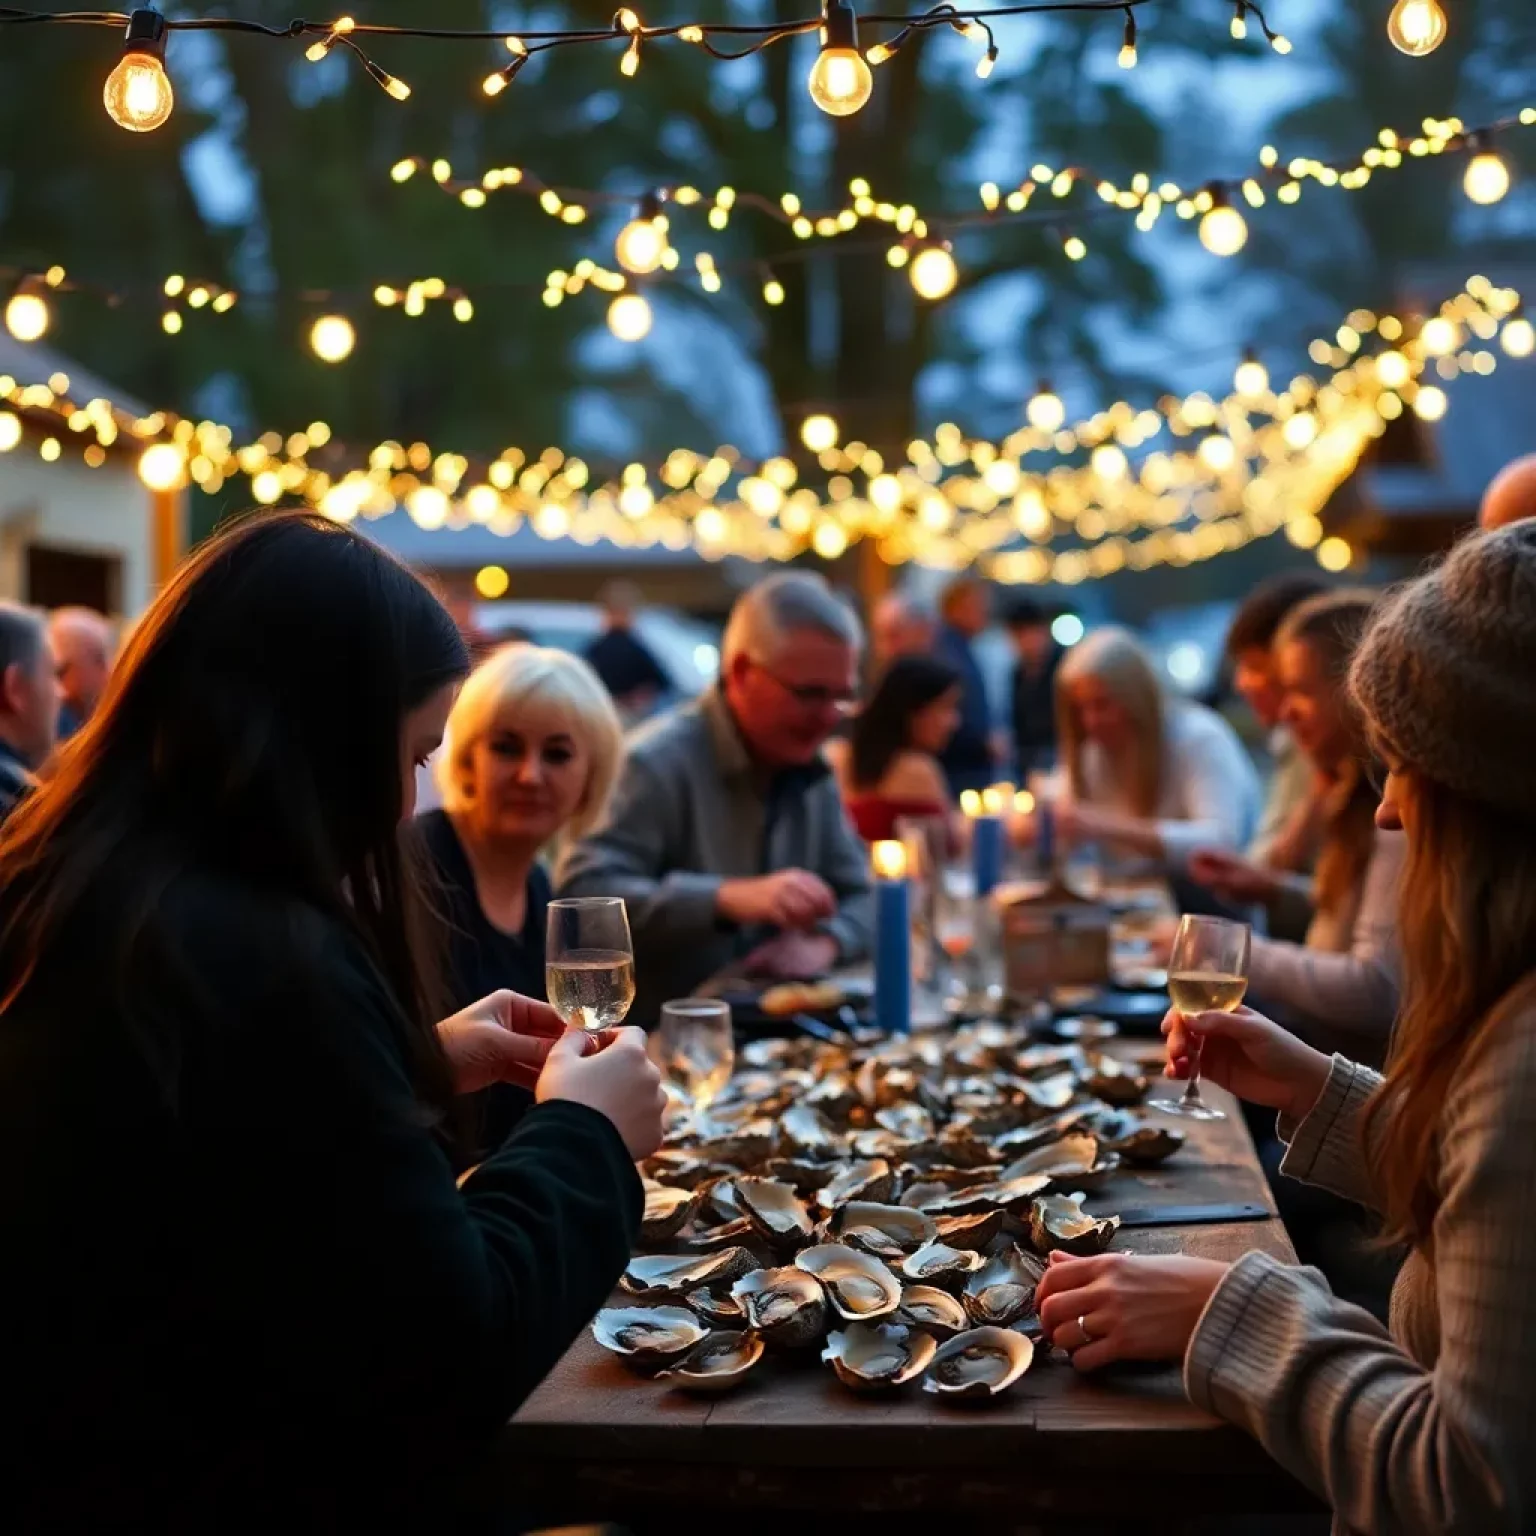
x=29, y=700
x=727, y=837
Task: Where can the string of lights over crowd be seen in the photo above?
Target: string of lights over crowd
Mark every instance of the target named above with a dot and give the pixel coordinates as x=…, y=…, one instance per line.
x=644, y=252
x=1208, y=475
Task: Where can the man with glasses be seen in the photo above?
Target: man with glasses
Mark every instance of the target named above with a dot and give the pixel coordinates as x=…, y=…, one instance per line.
x=726, y=836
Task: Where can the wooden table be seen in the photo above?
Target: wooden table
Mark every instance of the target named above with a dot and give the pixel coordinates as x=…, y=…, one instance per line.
x=794, y=1451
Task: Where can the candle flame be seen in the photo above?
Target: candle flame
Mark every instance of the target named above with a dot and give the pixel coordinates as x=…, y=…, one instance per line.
x=970, y=802
x=994, y=800
x=1024, y=802
x=890, y=860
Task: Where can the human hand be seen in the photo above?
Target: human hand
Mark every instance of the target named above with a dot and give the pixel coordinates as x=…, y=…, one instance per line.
x=1133, y=1307
x=619, y=1081
x=788, y=898
x=1231, y=876
x=793, y=957
x=503, y=1038
x=1076, y=823
x=1248, y=1055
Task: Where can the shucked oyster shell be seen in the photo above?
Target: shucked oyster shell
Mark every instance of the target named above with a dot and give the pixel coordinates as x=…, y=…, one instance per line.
x=720, y=1363
x=1138, y=1142
x=876, y=1357
x=786, y=1306
x=1077, y=1159
x=676, y=1274
x=647, y=1337
x=1060, y=1222
x=887, y=1231
x=938, y=1264
x=860, y=1287
x=1003, y=1289
x=667, y=1209
x=806, y=1132
x=933, y=1310
x=716, y=1306
x=981, y=1364
x=870, y=1180
x=975, y=1229
x=1116, y=1082
x=775, y=1211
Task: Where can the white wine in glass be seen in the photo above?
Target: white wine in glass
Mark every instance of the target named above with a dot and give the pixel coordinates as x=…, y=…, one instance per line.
x=1207, y=973
x=694, y=1049
x=589, y=962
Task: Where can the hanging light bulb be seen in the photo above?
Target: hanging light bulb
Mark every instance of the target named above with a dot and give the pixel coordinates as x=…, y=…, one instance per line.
x=642, y=243
x=818, y=433
x=840, y=82
x=629, y=317
x=1128, y=42
x=1416, y=27
x=162, y=467
x=1519, y=337
x=1223, y=230
x=933, y=272
x=138, y=94
x=26, y=316
x=332, y=338
x=1240, y=22
x=1045, y=412
x=1252, y=377
x=1487, y=177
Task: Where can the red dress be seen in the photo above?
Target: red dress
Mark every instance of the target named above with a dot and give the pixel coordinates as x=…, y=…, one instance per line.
x=875, y=816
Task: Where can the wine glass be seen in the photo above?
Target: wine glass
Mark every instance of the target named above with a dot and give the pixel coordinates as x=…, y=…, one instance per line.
x=1207, y=970
x=694, y=1050
x=589, y=962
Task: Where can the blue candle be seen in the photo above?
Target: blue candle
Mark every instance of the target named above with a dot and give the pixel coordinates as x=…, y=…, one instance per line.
x=893, y=939
x=987, y=852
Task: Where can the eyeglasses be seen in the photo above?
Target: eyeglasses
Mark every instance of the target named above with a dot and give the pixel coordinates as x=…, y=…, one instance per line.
x=814, y=695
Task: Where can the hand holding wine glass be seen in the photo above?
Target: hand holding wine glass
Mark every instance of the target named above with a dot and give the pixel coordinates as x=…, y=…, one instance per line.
x=589, y=962
x=1207, y=972
x=1250, y=1056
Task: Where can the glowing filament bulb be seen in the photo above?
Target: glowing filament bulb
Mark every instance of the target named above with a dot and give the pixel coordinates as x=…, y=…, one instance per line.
x=1223, y=230
x=26, y=316
x=1045, y=412
x=840, y=81
x=1416, y=27
x=933, y=273
x=629, y=317
x=332, y=338
x=138, y=94
x=1251, y=378
x=1487, y=178
x=642, y=243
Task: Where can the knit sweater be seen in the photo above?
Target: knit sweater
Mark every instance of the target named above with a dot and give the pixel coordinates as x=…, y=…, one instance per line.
x=1431, y=1428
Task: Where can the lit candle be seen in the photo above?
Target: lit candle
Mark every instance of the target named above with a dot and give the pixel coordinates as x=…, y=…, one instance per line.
x=986, y=816
x=893, y=938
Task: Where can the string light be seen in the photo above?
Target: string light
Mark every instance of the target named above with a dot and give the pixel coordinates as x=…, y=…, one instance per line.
x=629, y=317
x=163, y=467
x=138, y=94
x=840, y=81
x=1518, y=337
x=1251, y=378
x=1416, y=27
x=1223, y=230
x=642, y=243
x=331, y=338
x=492, y=581
x=1487, y=176
x=1045, y=412
x=1128, y=42
x=27, y=316
x=819, y=433
x=933, y=273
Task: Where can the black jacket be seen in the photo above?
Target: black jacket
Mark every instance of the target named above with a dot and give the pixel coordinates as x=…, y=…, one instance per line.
x=241, y=1290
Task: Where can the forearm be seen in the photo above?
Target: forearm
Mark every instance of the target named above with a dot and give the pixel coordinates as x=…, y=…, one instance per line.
x=1354, y=997
x=1324, y=1146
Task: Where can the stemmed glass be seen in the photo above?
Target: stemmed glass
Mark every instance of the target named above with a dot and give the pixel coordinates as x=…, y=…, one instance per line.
x=589, y=962
x=694, y=1049
x=1207, y=971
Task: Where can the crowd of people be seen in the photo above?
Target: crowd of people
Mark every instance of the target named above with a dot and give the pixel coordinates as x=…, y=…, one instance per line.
x=305, y=1188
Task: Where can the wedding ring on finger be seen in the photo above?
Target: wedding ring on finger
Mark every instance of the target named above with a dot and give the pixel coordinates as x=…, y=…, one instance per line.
x=1082, y=1327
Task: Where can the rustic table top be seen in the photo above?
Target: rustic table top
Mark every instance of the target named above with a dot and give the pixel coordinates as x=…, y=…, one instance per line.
x=595, y=1441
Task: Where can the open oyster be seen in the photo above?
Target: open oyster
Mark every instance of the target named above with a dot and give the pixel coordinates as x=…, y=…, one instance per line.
x=861, y=1288
x=1016, y=1143
x=1077, y=1158
x=938, y=1264
x=875, y=1357
x=974, y=1229
x=786, y=1306
x=647, y=1337
x=677, y=1274
x=1138, y=1142
x=715, y=1305
x=1116, y=1082
x=935, y=1311
x=911, y=1122
x=982, y=1364
x=806, y=1132
x=1003, y=1289
x=1060, y=1222
x=667, y=1209
x=720, y=1363
x=872, y=1180
x=775, y=1211
x=804, y=1178
x=886, y=1231
x=1049, y=1095
x=710, y=1239
x=742, y=1146
x=835, y=1096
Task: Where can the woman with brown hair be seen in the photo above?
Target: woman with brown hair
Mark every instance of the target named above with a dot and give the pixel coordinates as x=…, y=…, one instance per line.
x=1430, y=1428
x=1340, y=986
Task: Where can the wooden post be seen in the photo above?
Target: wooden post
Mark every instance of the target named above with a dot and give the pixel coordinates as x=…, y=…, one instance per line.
x=167, y=535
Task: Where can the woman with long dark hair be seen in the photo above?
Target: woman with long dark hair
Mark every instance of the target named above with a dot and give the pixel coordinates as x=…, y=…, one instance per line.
x=242, y=1283
x=889, y=766
x=1430, y=1428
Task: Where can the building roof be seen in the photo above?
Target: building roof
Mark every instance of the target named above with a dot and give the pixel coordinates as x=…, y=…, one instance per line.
x=476, y=545
x=33, y=362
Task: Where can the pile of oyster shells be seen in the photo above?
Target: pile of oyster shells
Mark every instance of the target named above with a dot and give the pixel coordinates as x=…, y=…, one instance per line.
x=902, y=1196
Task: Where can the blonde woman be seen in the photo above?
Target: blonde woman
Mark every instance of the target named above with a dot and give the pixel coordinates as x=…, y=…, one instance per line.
x=1340, y=987
x=1429, y=1428
x=530, y=755
x=1147, y=773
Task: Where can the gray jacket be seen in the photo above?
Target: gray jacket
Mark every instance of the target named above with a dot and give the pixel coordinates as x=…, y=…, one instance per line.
x=690, y=812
